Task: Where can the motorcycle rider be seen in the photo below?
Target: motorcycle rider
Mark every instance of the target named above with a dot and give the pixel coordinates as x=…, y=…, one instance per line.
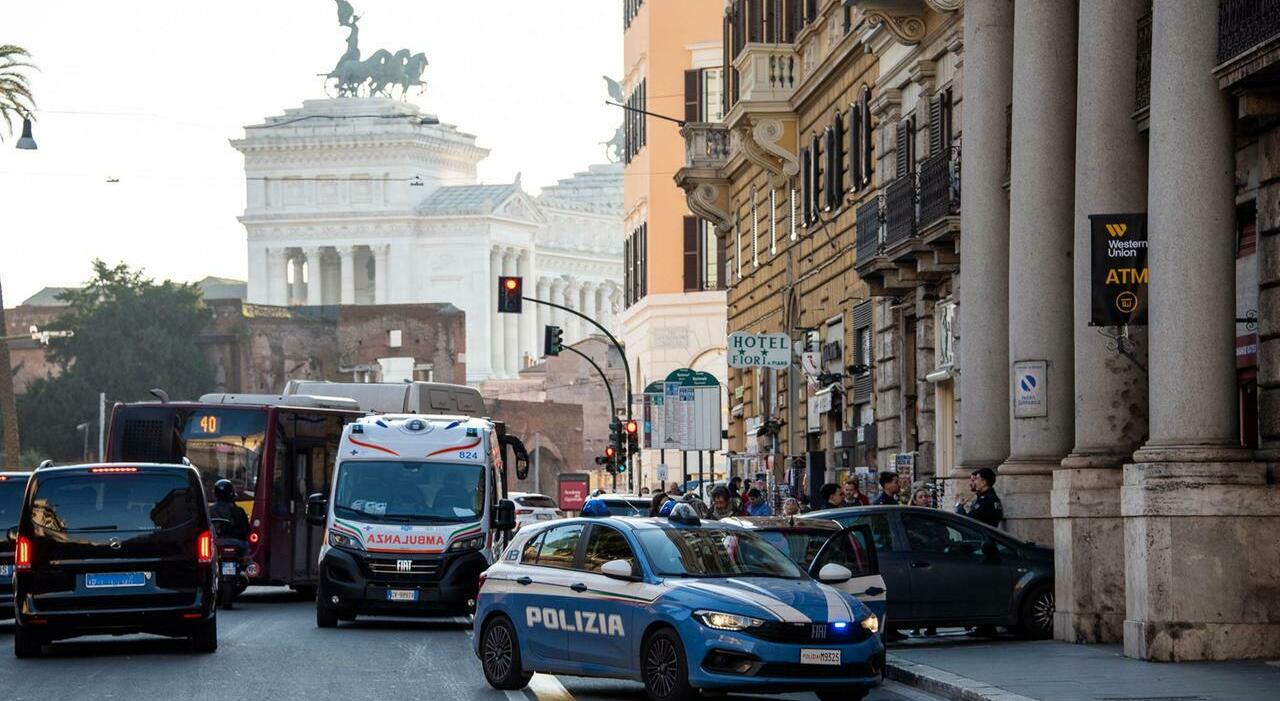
x=225, y=507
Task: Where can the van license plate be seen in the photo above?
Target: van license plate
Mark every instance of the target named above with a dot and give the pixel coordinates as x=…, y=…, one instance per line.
x=543, y=517
x=229, y=568
x=402, y=595
x=827, y=657
x=115, y=579
x=6, y=570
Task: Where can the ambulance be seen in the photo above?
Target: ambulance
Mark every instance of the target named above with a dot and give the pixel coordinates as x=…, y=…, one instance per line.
x=415, y=511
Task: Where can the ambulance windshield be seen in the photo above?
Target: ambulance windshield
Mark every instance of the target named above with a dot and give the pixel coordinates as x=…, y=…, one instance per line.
x=409, y=492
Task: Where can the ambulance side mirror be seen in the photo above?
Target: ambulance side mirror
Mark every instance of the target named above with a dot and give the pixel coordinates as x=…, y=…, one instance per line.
x=504, y=515
x=317, y=509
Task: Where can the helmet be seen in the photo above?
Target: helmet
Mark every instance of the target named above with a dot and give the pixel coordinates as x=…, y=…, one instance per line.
x=223, y=490
x=667, y=506
x=596, y=508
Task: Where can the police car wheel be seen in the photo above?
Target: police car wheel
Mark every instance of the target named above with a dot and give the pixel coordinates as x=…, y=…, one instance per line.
x=663, y=667
x=1036, y=618
x=500, y=656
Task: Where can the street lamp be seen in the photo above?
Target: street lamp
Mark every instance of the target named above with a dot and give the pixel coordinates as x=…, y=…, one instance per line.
x=84, y=428
x=26, y=142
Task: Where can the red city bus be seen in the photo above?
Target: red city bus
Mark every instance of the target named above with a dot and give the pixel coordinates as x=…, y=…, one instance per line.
x=276, y=450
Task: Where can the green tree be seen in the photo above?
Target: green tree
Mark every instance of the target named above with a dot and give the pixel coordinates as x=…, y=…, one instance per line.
x=131, y=334
x=15, y=103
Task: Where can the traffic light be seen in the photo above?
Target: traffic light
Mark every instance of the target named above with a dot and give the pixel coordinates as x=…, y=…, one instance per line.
x=633, y=436
x=510, y=294
x=552, y=340
x=615, y=440
x=610, y=460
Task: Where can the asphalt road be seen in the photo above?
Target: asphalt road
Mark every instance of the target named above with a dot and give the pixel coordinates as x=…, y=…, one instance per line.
x=269, y=647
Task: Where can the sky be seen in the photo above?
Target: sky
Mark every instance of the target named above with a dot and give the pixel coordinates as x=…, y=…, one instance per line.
x=150, y=91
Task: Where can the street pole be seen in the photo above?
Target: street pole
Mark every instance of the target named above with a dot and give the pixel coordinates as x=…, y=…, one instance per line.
x=102, y=426
x=613, y=408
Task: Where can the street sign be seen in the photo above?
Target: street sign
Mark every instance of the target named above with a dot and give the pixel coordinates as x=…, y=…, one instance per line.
x=1030, y=396
x=683, y=412
x=662, y=472
x=573, y=488
x=759, y=350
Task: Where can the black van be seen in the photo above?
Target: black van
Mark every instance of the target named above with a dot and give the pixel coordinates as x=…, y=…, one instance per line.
x=12, y=487
x=114, y=549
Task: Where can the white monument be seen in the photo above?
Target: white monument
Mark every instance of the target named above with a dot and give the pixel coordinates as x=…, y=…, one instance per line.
x=366, y=200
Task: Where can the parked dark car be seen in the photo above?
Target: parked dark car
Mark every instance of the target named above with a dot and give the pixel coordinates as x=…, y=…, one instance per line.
x=12, y=487
x=114, y=549
x=943, y=569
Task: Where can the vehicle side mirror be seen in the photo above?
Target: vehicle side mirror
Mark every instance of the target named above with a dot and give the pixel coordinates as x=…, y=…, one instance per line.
x=317, y=509
x=831, y=573
x=989, y=551
x=618, y=569
x=520, y=455
x=504, y=515
x=12, y=534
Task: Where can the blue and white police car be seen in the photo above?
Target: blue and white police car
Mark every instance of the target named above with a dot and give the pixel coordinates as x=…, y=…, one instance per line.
x=679, y=604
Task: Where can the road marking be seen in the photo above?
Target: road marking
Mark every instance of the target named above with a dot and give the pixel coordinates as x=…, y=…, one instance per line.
x=516, y=695
x=547, y=688
x=906, y=692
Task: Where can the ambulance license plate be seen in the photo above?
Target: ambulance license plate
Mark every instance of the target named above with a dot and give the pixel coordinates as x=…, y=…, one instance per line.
x=402, y=595
x=826, y=657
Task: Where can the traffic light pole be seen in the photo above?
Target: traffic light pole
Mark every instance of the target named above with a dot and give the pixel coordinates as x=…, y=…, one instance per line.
x=613, y=408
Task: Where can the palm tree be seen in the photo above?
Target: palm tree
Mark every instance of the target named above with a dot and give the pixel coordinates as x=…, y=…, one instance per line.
x=15, y=102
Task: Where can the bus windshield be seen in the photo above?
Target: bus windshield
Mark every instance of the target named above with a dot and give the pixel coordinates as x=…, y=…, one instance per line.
x=409, y=492
x=226, y=444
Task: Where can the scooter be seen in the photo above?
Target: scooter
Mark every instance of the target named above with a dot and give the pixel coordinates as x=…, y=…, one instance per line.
x=233, y=558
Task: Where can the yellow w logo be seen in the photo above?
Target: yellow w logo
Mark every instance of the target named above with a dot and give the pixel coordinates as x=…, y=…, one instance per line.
x=1117, y=230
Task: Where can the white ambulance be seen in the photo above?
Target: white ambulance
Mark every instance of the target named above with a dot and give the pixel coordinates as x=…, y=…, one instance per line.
x=414, y=514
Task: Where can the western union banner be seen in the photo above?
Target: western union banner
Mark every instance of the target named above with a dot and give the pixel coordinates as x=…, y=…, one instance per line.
x=1119, y=275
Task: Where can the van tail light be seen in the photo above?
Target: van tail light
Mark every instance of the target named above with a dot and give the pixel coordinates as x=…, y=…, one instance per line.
x=22, y=555
x=204, y=548
x=253, y=538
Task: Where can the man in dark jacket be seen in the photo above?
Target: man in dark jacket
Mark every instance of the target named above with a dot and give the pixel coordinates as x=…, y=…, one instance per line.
x=985, y=505
x=888, y=489
x=224, y=506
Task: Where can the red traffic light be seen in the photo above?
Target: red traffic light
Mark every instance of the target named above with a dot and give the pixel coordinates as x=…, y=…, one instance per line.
x=510, y=294
x=633, y=427
x=609, y=452
x=511, y=283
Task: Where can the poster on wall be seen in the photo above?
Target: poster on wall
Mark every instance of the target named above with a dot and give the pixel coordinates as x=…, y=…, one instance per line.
x=1030, y=395
x=1119, y=275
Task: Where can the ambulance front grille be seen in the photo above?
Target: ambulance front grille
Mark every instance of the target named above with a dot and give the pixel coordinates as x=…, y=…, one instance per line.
x=402, y=570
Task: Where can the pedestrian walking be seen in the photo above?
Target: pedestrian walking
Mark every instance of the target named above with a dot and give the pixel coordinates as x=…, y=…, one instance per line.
x=756, y=504
x=831, y=497
x=852, y=494
x=721, y=506
x=985, y=505
x=920, y=497
x=888, y=489
x=790, y=507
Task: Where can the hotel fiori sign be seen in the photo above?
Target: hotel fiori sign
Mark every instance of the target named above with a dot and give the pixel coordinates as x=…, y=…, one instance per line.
x=759, y=350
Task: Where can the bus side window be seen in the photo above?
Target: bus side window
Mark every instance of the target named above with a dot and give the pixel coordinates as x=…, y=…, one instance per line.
x=279, y=477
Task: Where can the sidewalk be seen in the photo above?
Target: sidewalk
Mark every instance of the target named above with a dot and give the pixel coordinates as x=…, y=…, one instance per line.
x=1053, y=671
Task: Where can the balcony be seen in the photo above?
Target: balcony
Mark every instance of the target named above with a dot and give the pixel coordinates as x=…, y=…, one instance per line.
x=706, y=145
x=900, y=210
x=767, y=73
x=869, y=231
x=940, y=193
x=1248, y=42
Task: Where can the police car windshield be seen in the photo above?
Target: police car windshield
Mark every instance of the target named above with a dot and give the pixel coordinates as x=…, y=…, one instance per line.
x=714, y=552
x=408, y=492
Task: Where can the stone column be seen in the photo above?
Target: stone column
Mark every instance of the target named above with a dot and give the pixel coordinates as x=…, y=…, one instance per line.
x=544, y=317
x=528, y=312
x=573, y=300
x=558, y=316
x=497, y=337
x=589, y=292
x=1200, y=521
x=315, y=276
x=1110, y=411
x=381, y=295
x=511, y=332
x=1041, y=208
x=278, y=277
x=984, y=247
x=347, y=256
x=296, y=293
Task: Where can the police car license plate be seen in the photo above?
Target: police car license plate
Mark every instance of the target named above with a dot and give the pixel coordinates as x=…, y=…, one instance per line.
x=402, y=595
x=115, y=579
x=6, y=570
x=827, y=657
x=228, y=568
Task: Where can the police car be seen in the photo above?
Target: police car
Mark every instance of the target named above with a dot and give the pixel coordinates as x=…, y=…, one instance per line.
x=679, y=604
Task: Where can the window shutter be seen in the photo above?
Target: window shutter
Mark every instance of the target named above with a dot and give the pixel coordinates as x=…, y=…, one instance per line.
x=626, y=271
x=855, y=150
x=719, y=253
x=935, y=124
x=805, y=174
x=644, y=259
x=946, y=118
x=868, y=162
x=903, y=148
x=693, y=96
x=830, y=166
x=691, y=262
x=815, y=180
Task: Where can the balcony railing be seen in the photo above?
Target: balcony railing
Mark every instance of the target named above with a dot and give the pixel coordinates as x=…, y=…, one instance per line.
x=1244, y=24
x=767, y=72
x=706, y=145
x=939, y=186
x=900, y=210
x=1142, y=98
x=869, y=237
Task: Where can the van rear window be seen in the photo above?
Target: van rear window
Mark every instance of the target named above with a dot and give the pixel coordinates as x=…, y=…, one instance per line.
x=114, y=502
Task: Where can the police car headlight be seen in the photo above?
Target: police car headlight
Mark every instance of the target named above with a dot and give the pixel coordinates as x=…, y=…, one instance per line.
x=475, y=543
x=342, y=540
x=871, y=623
x=726, y=621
